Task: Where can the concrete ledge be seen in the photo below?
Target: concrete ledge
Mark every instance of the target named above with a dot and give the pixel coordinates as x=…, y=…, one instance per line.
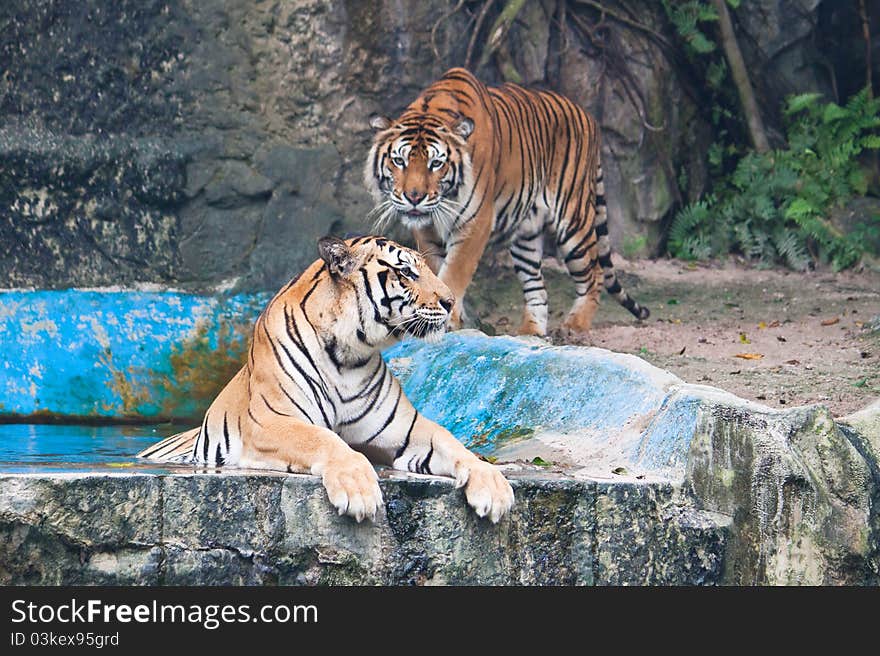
x=255, y=529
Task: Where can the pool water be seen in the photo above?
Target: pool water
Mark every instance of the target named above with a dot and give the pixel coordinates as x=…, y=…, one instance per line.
x=74, y=448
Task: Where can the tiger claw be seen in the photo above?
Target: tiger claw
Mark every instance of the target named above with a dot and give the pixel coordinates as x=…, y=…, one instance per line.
x=352, y=488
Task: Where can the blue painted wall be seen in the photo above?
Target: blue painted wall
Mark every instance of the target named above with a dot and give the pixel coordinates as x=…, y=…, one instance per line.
x=105, y=354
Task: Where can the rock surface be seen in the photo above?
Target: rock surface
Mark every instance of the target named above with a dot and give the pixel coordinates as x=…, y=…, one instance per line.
x=249, y=529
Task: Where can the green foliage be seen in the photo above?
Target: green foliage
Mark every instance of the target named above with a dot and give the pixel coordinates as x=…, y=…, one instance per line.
x=634, y=246
x=716, y=73
x=772, y=207
x=693, y=23
x=686, y=16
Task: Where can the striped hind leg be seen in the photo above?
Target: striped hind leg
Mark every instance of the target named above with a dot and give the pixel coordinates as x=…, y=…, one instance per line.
x=579, y=253
x=527, y=250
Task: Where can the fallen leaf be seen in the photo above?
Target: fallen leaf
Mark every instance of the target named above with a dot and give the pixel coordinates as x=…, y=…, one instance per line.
x=780, y=338
x=620, y=471
x=749, y=356
x=538, y=460
x=120, y=464
x=672, y=301
x=859, y=324
x=743, y=339
x=862, y=383
x=792, y=362
x=492, y=459
x=762, y=325
x=830, y=322
x=683, y=348
x=774, y=324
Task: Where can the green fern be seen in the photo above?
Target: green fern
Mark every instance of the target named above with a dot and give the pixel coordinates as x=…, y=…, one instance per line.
x=773, y=206
x=686, y=16
x=684, y=235
x=801, y=102
x=791, y=247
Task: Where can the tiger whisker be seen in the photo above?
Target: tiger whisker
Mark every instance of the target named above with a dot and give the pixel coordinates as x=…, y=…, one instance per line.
x=378, y=209
x=403, y=321
x=375, y=215
x=442, y=213
x=379, y=206
x=445, y=216
x=382, y=222
x=430, y=251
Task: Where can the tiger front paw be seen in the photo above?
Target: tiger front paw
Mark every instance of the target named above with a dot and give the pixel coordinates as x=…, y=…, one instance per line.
x=530, y=326
x=486, y=489
x=577, y=325
x=353, y=486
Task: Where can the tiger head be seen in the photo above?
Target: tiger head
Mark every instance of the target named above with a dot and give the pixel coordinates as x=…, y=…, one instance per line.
x=416, y=168
x=393, y=290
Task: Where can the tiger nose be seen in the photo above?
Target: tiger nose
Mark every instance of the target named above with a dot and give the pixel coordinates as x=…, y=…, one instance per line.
x=447, y=303
x=414, y=196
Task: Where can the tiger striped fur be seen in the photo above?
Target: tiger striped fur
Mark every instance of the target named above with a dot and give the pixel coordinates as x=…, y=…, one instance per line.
x=315, y=395
x=467, y=165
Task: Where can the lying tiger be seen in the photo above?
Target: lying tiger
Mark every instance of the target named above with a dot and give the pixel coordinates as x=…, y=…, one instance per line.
x=315, y=391
x=465, y=164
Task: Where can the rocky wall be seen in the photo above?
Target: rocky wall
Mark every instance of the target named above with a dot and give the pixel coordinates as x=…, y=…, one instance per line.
x=205, y=144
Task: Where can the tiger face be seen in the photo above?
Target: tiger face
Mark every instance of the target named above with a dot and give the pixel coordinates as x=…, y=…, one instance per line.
x=416, y=168
x=396, y=292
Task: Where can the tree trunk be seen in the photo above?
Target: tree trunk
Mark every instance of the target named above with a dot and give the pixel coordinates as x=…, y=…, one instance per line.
x=866, y=33
x=499, y=29
x=741, y=78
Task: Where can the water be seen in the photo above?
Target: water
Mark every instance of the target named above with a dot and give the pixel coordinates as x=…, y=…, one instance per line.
x=28, y=448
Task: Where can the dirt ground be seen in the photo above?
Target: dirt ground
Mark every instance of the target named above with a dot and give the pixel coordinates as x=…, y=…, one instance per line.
x=807, y=338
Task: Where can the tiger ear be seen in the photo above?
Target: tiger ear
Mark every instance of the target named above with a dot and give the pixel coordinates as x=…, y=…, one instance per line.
x=379, y=123
x=463, y=127
x=336, y=254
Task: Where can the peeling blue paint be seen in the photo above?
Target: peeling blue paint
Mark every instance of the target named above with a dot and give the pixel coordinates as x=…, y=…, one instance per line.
x=486, y=389
x=665, y=442
x=509, y=386
x=62, y=348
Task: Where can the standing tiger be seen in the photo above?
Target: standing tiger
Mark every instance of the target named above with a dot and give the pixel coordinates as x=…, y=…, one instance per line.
x=465, y=164
x=315, y=394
